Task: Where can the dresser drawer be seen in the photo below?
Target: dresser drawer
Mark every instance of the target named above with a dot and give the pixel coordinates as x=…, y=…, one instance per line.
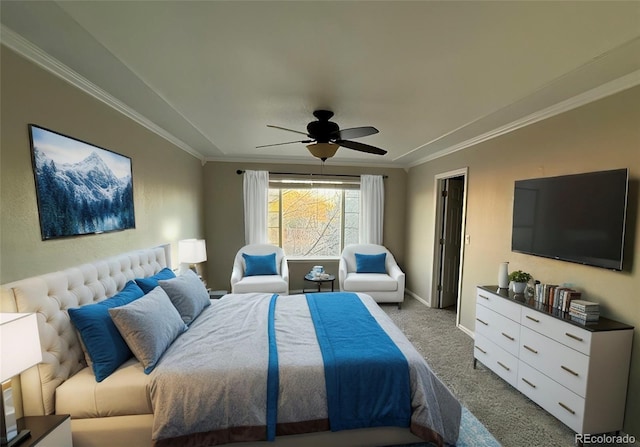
x=498, y=304
x=496, y=359
x=561, y=363
x=561, y=331
x=553, y=397
x=501, y=330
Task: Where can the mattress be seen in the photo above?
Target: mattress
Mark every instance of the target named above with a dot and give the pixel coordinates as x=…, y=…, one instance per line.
x=123, y=393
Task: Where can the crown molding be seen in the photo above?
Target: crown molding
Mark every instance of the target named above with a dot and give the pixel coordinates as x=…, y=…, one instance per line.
x=29, y=51
x=610, y=88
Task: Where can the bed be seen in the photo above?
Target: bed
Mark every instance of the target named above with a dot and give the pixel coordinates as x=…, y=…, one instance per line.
x=247, y=368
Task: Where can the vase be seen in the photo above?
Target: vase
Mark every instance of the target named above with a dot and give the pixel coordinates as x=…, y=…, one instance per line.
x=519, y=287
x=503, y=275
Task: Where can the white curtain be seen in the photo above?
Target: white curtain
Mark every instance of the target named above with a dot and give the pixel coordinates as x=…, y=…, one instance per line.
x=371, y=209
x=256, y=197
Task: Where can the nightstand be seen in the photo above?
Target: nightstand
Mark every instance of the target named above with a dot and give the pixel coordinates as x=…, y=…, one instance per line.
x=47, y=431
x=216, y=294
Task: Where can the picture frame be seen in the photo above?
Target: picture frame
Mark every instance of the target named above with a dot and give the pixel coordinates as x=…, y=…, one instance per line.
x=81, y=188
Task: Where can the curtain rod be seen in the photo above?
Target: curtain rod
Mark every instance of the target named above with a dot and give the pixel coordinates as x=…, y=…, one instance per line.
x=240, y=172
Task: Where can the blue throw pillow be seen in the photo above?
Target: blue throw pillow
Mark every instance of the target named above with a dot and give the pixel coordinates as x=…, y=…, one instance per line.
x=102, y=340
x=371, y=263
x=260, y=264
x=150, y=283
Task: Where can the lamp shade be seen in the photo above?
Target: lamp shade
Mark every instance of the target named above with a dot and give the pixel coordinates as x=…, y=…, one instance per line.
x=323, y=150
x=192, y=251
x=19, y=343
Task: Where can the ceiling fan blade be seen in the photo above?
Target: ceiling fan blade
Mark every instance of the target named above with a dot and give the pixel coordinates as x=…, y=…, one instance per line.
x=354, y=132
x=288, y=142
x=288, y=130
x=361, y=147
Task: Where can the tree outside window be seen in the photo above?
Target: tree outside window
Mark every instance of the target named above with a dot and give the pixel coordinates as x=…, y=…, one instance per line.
x=313, y=222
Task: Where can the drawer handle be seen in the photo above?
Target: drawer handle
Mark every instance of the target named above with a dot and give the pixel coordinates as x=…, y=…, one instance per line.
x=533, y=319
x=566, y=408
x=575, y=337
x=485, y=297
x=505, y=367
x=480, y=349
x=508, y=336
x=530, y=349
x=528, y=383
x=483, y=322
x=569, y=370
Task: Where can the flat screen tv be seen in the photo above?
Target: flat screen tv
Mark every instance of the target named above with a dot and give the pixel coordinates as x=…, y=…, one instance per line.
x=577, y=218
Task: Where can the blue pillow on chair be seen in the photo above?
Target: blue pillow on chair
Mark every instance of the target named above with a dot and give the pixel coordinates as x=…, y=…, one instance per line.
x=150, y=283
x=102, y=340
x=260, y=264
x=371, y=263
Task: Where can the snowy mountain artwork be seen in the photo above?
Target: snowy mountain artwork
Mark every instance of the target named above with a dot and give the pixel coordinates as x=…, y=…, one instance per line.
x=81, y=188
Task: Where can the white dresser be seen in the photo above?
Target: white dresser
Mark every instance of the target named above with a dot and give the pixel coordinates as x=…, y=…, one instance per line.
x=578, y=373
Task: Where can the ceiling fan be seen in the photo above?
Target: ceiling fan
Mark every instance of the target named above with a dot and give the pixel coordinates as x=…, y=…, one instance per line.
x=325, y=137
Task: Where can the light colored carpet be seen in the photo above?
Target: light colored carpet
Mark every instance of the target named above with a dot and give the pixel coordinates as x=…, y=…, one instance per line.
x=472, y=434
x=512, y=418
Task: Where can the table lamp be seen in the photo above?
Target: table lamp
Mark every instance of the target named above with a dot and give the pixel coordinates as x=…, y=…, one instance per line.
x=19, y=350
x=192, y=252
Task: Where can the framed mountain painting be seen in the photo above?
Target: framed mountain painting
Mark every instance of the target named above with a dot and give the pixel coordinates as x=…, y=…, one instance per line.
x=81, y=188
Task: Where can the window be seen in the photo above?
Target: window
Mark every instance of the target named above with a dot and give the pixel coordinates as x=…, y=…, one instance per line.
x=311, y=221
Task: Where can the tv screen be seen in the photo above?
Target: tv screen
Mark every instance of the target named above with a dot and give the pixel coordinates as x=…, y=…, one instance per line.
x=577, y=218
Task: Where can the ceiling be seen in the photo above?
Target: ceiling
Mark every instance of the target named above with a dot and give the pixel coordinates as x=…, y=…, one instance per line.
x=432, y=76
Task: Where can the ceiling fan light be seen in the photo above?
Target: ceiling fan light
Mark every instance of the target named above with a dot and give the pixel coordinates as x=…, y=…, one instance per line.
x=323, y=150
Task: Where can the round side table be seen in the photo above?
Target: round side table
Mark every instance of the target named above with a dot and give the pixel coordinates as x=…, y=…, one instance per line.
x=319, y=281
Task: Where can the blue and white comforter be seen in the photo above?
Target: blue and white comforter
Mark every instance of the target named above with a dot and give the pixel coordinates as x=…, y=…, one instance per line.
x=221, y=381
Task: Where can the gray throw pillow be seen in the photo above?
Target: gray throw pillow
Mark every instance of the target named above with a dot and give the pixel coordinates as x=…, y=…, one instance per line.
x=149, y=325
x=188, y=294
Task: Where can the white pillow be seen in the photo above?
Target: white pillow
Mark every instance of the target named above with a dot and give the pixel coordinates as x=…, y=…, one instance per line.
x=148, y=325
x=188, y=294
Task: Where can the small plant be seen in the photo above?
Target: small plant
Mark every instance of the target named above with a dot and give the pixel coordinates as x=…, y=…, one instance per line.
x=519, y=276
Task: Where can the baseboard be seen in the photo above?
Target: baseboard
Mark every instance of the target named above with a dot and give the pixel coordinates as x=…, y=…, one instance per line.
x=469, y=332
x=417, y=297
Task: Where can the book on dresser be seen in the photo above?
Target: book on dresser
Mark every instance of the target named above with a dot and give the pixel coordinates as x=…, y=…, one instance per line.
x=575, y=371
x=556, y=296
x=585, y=306
x=584, y=312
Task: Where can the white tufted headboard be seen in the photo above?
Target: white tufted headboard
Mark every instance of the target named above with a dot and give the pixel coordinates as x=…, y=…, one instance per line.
x=50, y=296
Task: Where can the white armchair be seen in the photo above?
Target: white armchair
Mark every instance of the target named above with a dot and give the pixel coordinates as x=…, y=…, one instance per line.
x=384, y=286
x=261, y=282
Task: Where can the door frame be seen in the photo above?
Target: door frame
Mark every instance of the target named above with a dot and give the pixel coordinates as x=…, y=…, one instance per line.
x=439, y=217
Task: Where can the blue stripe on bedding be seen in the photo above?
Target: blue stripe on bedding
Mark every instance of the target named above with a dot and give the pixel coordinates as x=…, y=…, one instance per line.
x=367, y=376
x=273, y=382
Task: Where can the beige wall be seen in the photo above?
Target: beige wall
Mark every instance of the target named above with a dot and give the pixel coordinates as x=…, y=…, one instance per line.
x=224, y=216
x=602, y=135
x=167, y=181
